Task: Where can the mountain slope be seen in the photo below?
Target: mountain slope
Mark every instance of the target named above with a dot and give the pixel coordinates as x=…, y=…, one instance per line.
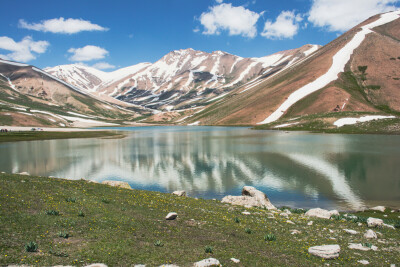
x=182, y=79
x=29, y=96
x=331, y=79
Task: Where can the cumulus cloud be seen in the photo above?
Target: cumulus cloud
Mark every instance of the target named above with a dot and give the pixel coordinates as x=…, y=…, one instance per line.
x=341, y=15
x=285, y=26
x=235, y=20
x=219, y=1
x=87, y=53
x=103, y=66
x=61, y=25
x=24, y=50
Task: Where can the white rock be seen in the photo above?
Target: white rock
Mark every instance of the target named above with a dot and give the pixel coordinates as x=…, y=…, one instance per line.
x=284, y=214
x=370, y=234
x=359, y=246
x=331, y=231
x=290, y=222
x=379, y=208
x=295, y=232
x=363, y=262
x=118, y=184
x=321, y=213
x=374, y=222
x=389, y=226
x=171, y=216
x=139, y=265
x=96, y=265
x=168, y=265
x=352, y=232
x=359, y=224
x=287, y=211
x=310, y=223
x=235, y=260
x=246, y=213
x=325, y=251
x=207, y=263
x=24, y=173
x=250, y=197
x=180, y=193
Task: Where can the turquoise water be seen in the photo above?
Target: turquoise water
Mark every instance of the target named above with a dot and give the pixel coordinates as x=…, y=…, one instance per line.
x=295, y=169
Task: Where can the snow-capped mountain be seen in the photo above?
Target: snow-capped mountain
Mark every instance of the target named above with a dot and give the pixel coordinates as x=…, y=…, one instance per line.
x=181, y=79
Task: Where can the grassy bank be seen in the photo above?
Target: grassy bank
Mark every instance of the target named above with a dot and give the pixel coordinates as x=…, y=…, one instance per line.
x=78, y=222
x=323, y=123
x=44, y=135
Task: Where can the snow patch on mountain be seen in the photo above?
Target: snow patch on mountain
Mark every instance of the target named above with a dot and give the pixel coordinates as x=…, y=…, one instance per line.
x=340, y=59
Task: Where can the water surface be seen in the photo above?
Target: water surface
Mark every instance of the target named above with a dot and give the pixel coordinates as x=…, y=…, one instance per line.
x=295, y=169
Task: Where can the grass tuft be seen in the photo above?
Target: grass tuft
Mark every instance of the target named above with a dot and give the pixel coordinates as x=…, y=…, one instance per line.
x=31, y=247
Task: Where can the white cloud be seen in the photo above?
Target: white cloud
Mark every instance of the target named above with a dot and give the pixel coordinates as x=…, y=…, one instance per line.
x=24, y=50
x=61, y=25
x=103, y=66
x=87, y=53
x=285, y=26
x=219, y=1
x=236, y=20
x=196, y=29
x=341, y=15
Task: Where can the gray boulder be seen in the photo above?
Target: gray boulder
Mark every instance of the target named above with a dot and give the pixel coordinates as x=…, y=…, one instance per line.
x=370, y=234
x=250, y=197
x=210, y=262
x=321, y=213
x=180, y=193
x=118, y=184
x=325, y=251
x=374, y=222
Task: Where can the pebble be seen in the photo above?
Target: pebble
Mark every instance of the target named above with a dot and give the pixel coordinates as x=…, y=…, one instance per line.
x=352, y=232
x=246, y=213
x=290, y=222
x=171, y=216
x=364, y=262
x=310, y=223
x=207, y=262
x=370, y=234
x=235, y=260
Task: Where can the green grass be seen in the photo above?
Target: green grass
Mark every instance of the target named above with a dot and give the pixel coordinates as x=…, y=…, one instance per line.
x=44, y=135
x=131, y=229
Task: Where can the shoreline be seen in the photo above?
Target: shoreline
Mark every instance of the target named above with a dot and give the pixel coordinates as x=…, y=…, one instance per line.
x=352, y=211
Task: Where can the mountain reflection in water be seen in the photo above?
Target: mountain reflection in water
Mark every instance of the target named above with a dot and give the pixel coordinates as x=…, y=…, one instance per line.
x=295, y=169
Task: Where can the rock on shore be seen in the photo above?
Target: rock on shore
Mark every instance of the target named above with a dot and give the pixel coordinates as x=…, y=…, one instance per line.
x=250, y=197
x=118, y=184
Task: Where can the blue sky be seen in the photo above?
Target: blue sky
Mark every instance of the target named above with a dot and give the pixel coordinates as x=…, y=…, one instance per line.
x=114, y=34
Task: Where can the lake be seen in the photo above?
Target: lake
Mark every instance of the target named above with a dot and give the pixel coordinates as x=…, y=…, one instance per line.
x=294, y=169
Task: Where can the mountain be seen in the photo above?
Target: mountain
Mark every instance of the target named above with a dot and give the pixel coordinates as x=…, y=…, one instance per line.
x=30, y=96
x=181, y=79
x=356, y=74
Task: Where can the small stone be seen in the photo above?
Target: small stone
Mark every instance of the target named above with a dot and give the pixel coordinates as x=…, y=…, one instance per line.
x=118, y=184
x=207, y=263
x=359, y=246
x=295, y=232
x=290, y=222
x=310, y=223
x=96, y=265
x=24, y=173
x=246, y=213
x=331, y=231
x=235, y=260
x=321, y=213
x=171, y=216
x=180, y=193
x=325, y=251
x=352, y=232
x=284, y=214
x=139, y=265
x=168, y=265
x=359, y=224
x=363, y=262
x=370, y=234
x=389, y=226
x=374, y=222
x=379, y=208
x=385, y=215
x=287, y=211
